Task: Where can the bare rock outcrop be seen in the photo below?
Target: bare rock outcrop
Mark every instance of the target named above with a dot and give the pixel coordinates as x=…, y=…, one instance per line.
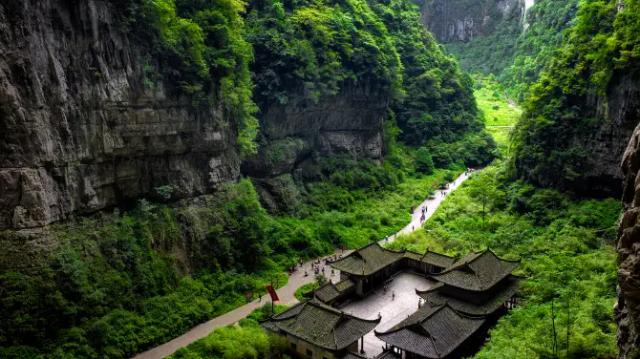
x=295, y=135
x=80, y=128
x=628, y=246
x=462, y=20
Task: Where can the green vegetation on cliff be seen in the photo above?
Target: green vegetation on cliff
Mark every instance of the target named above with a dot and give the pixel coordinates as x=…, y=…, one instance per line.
x=120, y=283
x=306, y=50
x=199, y=47
x=514, y=49
x=546, y=21
x=438, y=105
x=561, y=108
x=314, y=48
x=489, y=53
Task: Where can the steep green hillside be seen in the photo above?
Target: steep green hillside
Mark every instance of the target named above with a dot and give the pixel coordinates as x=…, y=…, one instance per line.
x=490, y=53
x=581, y=112
x=504, y=42
x=438, y=103
x=316, y=48
x=202, y=51
x=546, y=22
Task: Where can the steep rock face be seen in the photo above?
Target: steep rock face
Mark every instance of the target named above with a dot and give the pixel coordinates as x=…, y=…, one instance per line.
x=620, y=113
x=609, y=121
x=464, y=20
x=295, y=135
x=80, y=131
x=628, y=246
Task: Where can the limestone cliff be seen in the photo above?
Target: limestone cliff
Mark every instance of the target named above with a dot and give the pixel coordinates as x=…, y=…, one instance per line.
x=295, y=135
x=628, y=246
x=464, y=20
x=607, y=122
x=79, y=129
x=619, y=110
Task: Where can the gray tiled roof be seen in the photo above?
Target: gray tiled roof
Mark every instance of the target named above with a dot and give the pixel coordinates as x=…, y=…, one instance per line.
x=477, y=272
x=321, y=325
x=344, y=285
x=330, y=291
x=367, y=260
x=327, y=293
x=435, y=297
x=430, y=257
x=432, y=332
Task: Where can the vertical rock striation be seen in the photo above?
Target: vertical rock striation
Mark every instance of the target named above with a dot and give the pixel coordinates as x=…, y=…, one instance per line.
x=295, y=135
x=464, y=20
x=628, y=246
x=81, y=128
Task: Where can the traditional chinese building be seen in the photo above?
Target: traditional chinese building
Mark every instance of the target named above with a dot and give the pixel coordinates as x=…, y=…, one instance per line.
x=469, y=294
x=314, y=330
x=432, y=332
x=370, y=266
x=334, y=294
x=480, y=284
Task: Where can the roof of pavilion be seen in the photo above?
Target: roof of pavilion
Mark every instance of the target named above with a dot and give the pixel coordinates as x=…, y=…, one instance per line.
x=367, y=260
x=432, y=331
x=373, y=257
x=330, y=291
x=430, y=257
x=321, y=325
x=435, y=297
x=477, y=271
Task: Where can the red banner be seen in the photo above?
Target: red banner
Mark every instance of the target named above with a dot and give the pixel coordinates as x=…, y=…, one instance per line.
x=272, y=293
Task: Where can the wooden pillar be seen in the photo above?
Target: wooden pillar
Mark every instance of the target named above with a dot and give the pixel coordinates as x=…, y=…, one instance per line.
x=362, y=345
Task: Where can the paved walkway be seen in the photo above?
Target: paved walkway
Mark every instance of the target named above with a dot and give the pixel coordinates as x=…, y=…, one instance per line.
x=431, y=204
x=393, y=309
x=286, y=293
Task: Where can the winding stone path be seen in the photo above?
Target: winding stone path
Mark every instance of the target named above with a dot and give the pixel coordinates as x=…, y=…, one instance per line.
x=296, y=280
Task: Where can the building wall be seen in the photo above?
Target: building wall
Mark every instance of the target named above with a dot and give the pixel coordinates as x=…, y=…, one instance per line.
x=303, y=348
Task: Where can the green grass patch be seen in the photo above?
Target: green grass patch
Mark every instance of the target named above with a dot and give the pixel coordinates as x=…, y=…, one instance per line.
x=500, y=113
x=304, y=292
x=247, y=340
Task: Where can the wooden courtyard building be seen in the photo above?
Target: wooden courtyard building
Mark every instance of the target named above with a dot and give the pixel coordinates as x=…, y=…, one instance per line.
x=471, y=294
x=480, y=284
x=370, y=266
x=454, y=316
x=432, y=332
x=314, y=330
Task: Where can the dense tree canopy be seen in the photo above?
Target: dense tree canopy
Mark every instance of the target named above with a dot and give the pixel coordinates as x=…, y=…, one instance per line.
x=602, y=42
